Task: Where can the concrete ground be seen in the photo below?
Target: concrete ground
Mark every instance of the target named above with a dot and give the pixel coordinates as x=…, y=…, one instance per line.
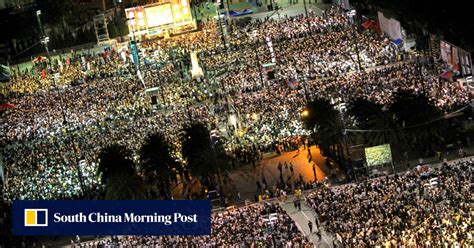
x=302, y=218
x=244, y=180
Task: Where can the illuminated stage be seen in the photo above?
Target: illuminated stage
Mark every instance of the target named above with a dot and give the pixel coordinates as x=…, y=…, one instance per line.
x=160, y=19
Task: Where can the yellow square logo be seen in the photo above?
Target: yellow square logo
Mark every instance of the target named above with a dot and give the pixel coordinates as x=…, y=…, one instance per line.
x=36, y=217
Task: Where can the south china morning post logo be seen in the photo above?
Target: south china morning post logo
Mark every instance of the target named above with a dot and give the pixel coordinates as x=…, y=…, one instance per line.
x=99, y=217
x=35, y=217
x=86, y=217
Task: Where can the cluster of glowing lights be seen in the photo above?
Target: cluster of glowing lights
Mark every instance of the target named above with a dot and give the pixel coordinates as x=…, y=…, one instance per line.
x=181, y=9
x=136, y=18
x=166, y=12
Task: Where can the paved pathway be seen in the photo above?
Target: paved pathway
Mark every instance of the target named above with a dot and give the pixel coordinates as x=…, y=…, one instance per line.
x=301, y=219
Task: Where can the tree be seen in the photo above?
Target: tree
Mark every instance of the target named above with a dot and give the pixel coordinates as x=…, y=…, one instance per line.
x=379, y=125
x=125, y=186
x=115, y=159
x=420, y=119
x=428, y=15
x=53, y=11
x=157, y=163
x=324, y=121
x=195, y=5
x=206, y=157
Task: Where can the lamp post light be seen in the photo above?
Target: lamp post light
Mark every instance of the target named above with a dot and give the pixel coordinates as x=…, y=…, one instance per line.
x=305, y=113
x=306, y=13
x=218, y=13
x=342, y=108
x=306, y=96
x=259, y=66
x=45, y=40
x=55, y=77
x=214, y=139
x=38, y=18
x=351, y=21
x=314, y=172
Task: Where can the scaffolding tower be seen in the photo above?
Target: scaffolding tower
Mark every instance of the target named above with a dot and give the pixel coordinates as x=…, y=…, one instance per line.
x=101, y=31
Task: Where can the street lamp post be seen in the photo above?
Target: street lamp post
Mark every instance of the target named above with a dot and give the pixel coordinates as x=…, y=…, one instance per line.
x=350, y=16
x=307, y=17
x=40, y=26
x=314, y=173
x=55, y=77
x=305, y=8
x=213, y=137
x=419, y=68
x=259, y=66
x=218, y=13
x=308, y=23
x=45, y=41
x=306, y=96
x=341, y=108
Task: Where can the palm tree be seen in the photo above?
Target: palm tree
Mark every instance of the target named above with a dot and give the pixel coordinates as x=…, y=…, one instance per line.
x=115, y=159
x=125, y=186
x=325, y=123
x=420, y=119
x=55, y=10
x=379, y=124
x=194, y=5
x=157, y=163
x=205, y=158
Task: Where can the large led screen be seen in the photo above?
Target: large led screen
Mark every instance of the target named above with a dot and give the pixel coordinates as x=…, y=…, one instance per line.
x=378, y=155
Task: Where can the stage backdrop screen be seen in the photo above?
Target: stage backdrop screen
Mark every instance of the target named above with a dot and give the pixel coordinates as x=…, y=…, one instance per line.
x=378, y=155
x=158, y=15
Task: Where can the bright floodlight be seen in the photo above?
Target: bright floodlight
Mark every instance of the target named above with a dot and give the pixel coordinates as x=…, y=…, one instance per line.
x=305, y=113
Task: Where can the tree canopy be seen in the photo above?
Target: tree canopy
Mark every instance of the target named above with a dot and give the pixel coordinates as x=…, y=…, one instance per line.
x=157, y=163
x=115, y=159
x=206, y=157
x=452, y=20
x=125, y=186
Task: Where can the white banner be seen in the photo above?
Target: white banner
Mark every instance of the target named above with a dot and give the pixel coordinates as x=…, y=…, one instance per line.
x=390, y=27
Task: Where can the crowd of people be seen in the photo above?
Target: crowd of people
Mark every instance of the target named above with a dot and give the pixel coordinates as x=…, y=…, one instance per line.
x=99, y=99
x=424, y=207
x=259, y=225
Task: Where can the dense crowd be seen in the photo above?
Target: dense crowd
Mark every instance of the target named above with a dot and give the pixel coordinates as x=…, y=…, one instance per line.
x=261, y=225
x=425, y=207
x=386, y=81
x=99, y=99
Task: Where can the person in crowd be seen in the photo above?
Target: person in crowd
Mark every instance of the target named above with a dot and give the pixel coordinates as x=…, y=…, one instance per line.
x=98, y=99
x=402, y=210
x=241, y=227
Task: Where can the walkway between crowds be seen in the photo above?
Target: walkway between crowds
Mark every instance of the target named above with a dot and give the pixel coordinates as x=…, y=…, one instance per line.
x=302, y=218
